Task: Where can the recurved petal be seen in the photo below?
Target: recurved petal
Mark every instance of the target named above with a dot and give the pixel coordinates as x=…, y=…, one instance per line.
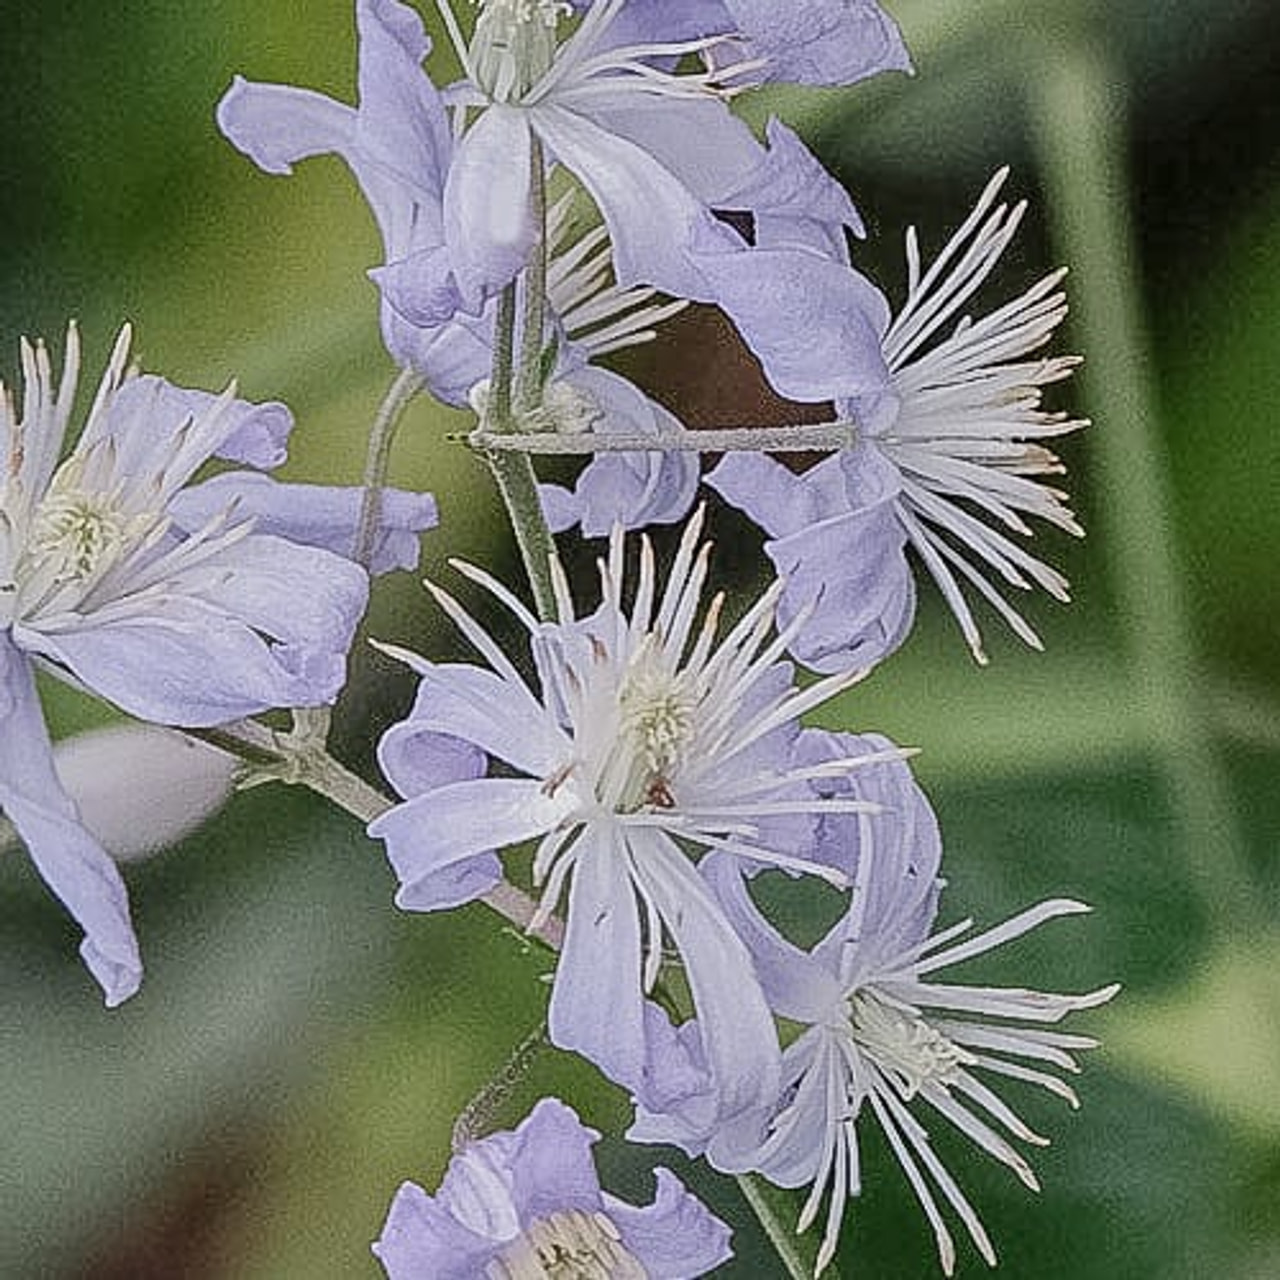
x=676, y=1236
x=70, y=861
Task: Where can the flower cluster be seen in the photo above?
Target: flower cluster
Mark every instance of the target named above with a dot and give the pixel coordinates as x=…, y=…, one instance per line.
x=634, y=779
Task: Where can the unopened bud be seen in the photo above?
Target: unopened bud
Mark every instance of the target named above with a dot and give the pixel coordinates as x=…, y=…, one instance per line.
x=141, y=788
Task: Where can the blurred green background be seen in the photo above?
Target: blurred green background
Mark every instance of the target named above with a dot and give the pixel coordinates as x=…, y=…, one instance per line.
x=299, y=1047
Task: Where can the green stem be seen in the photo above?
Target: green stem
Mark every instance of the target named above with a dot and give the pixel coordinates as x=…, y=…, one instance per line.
x=498, y=410
x=790, y=1248
x=513, y=472
x=377, y=460
x=1077, y=103
x=518, y=486
x=528, y=380
x=305, y=762
x=478, y=1114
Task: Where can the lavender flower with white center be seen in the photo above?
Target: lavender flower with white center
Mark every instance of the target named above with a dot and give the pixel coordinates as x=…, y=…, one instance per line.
x=959, y=420
x=527, y=1205
x=100, y=582
x=645, y=741
x=882, y=1033
x=653, y=148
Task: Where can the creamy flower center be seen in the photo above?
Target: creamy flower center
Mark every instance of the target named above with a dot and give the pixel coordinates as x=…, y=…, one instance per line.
x=904, y=1044
x=77, y=532
x=655, y=724
x=573, y=1245
x=514, y=45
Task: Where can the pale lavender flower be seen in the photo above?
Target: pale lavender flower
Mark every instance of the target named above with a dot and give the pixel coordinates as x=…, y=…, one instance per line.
x=528, y=1203
x=654, y=149
x=882, y=1034
x=957, y=415
x=644, y=738
x=100, y=583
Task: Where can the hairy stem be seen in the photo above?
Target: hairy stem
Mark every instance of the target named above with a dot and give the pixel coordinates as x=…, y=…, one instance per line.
x=377, y=460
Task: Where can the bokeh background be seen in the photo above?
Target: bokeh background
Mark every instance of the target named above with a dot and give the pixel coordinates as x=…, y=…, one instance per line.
x=299, y=1047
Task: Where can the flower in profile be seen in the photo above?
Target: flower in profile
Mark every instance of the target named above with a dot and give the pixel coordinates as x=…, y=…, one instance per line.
x=881, y=1033
x=528, y=1204
x=955, y=425
x=646, y=741
x=101, y=581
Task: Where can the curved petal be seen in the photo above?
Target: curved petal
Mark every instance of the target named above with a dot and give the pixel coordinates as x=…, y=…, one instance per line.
x=276, y=125
x=313, y=514
x=441, y=833
x=677, y=1236
x=68, y=858
x=497, y=715
x=814, y=323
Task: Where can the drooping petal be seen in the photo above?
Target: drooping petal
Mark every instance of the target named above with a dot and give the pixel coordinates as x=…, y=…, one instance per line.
x=738, y=1034
x=795, y=984
x=181, y=661
x=843, y=563
x=791, y=194
x=488, y=218
x=68, y=858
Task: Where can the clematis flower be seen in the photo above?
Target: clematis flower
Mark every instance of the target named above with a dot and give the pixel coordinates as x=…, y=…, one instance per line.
x=654, y=149
x=645, y=739
x=528, y=1203
x=187, y=626
x=956, y=417
x=882, y=1034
